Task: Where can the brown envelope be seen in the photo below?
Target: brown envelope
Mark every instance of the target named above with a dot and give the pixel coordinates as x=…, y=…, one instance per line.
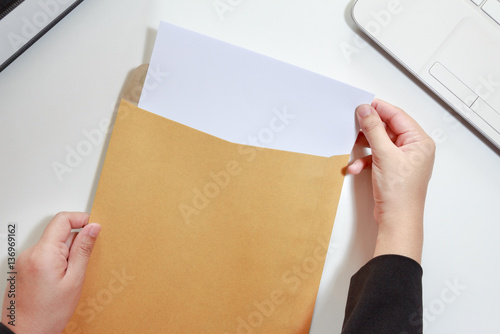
x=201, y=235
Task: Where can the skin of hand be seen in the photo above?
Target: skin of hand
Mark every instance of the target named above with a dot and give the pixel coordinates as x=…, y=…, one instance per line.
x=401, y=166
x=50, y=275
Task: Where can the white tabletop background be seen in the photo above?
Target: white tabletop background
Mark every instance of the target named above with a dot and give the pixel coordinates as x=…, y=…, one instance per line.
x=71, y=80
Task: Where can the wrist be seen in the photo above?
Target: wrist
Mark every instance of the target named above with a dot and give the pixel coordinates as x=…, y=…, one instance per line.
x=404, y=238
x=21, y=327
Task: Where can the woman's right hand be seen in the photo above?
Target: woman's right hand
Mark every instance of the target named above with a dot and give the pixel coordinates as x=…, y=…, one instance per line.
x=401, y=162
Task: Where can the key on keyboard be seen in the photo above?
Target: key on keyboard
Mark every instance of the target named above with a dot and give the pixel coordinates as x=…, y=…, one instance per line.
x=492, y=8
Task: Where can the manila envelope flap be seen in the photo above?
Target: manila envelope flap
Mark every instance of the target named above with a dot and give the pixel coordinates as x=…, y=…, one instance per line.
x=201, y=235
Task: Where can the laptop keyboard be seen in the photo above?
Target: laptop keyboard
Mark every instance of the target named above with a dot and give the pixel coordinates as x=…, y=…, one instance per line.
x=490, y=7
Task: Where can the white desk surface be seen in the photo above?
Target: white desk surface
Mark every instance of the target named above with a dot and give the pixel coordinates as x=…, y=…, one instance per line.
x=71, y=80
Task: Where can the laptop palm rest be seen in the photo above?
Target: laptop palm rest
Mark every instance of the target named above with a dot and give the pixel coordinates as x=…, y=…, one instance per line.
x=473, y=82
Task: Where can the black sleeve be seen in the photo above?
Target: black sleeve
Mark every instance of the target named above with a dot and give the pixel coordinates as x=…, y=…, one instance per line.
x=385, y=296
x=5, y=330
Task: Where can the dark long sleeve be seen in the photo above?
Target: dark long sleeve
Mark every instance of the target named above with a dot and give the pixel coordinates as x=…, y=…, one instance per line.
x=5, y=330
x=385, y=296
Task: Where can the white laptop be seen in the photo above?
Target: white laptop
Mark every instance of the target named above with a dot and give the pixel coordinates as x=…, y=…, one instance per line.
x=452, y=46
x=23, y=22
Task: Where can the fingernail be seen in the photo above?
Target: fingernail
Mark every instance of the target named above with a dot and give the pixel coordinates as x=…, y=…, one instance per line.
x=364, y=111
x=94, y=230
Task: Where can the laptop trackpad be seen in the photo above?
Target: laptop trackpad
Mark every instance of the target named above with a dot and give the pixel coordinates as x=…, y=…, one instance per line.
x=472, y=54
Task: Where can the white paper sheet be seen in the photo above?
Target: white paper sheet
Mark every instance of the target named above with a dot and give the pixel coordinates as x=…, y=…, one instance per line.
x=244, y=97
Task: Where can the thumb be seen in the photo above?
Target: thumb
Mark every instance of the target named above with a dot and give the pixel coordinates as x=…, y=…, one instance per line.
x=373, y=127
x=80, y=251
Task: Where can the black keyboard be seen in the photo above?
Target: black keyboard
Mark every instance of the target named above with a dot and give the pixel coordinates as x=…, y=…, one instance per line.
x=6, y=6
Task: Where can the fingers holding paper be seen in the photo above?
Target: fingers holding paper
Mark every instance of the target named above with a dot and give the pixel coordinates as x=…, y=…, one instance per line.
x=50, y=275
x=400, y=128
